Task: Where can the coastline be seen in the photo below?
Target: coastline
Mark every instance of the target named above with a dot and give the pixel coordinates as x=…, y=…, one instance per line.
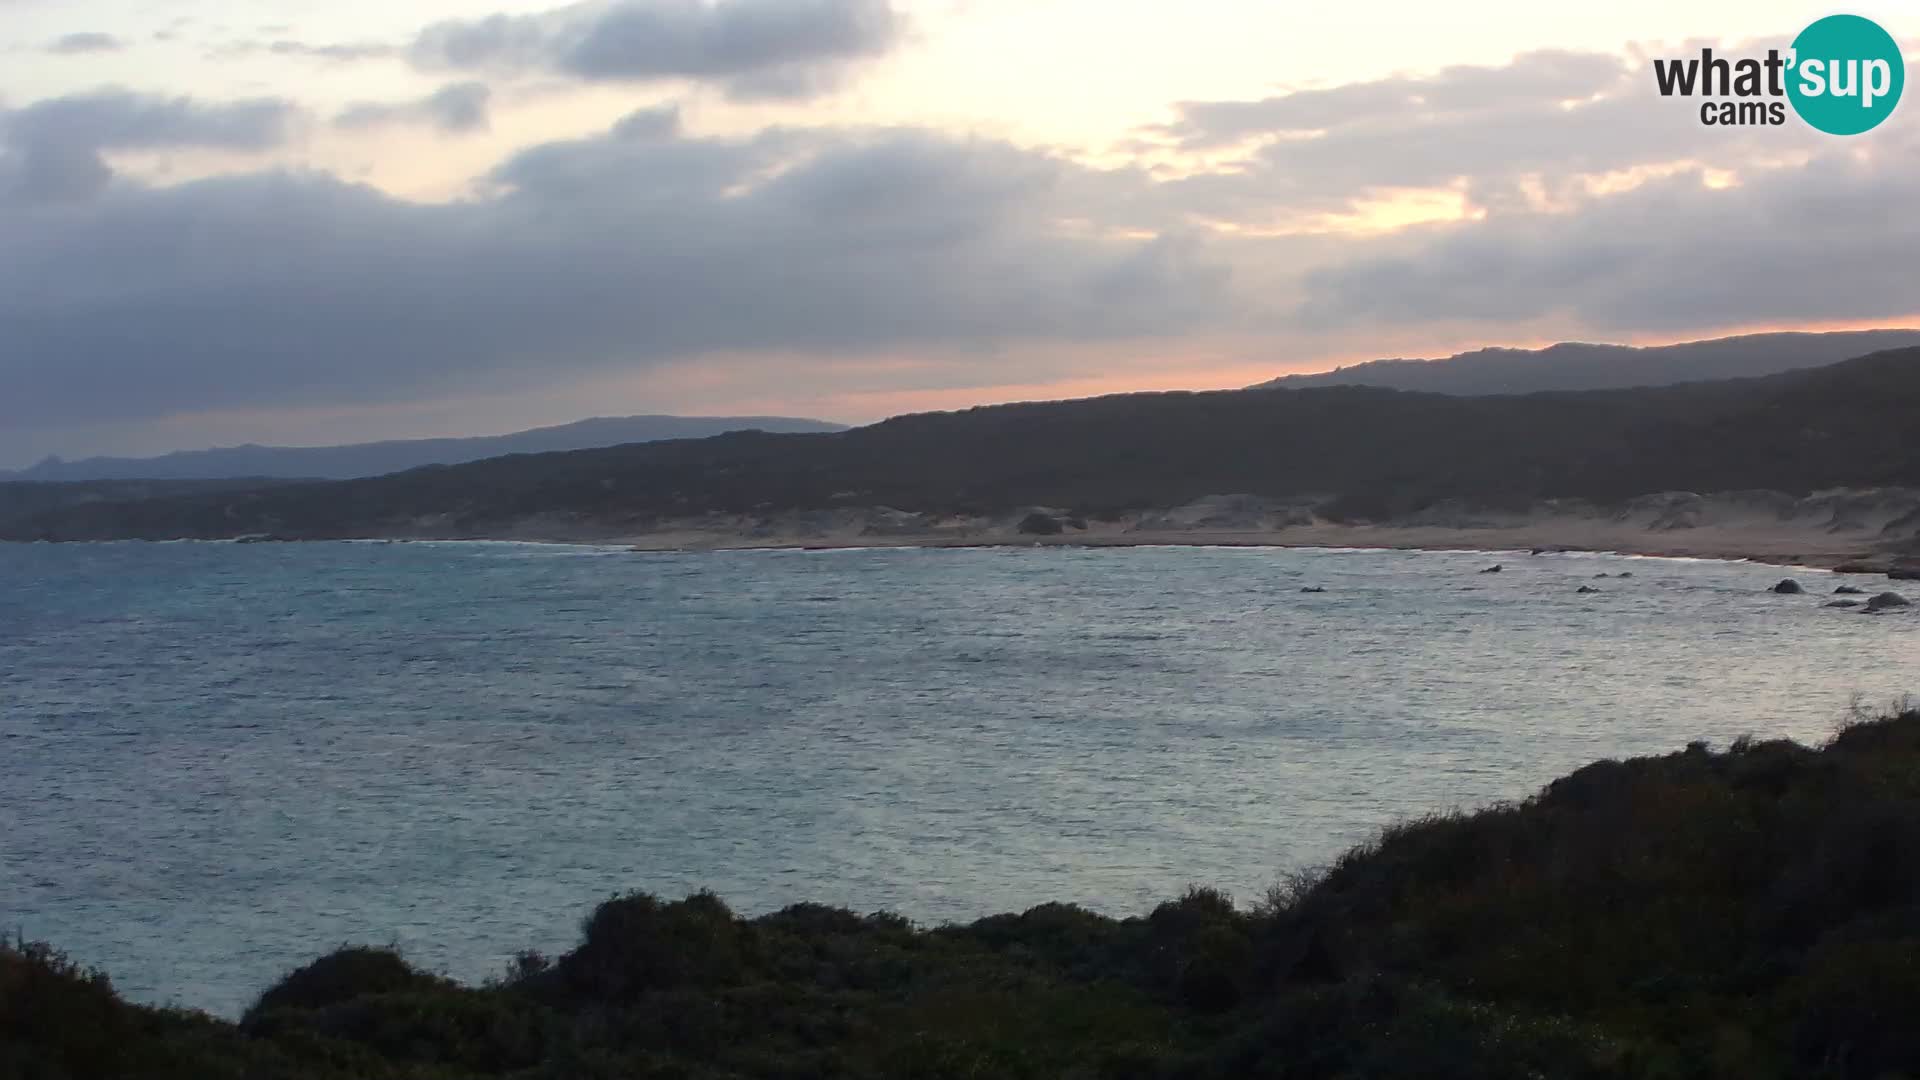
x=1868, y=531
x=1865, y=531
x=1784, y=547
x=1787, y=549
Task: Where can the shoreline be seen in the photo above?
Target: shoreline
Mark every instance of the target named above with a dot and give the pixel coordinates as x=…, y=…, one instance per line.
x=1867, y=531
x=1788, y=551
x=1361, y=539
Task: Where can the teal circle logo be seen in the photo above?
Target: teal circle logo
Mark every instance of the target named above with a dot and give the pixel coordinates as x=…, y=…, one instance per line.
x=1846, y=75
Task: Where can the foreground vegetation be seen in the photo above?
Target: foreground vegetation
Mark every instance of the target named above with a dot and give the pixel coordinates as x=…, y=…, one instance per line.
x=1749, y=913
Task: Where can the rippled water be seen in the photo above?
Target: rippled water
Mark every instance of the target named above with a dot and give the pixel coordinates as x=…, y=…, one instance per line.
x=218, y=761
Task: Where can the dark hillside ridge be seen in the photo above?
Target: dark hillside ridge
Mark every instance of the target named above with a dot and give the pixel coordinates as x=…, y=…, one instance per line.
x=1750, y=913
x=1581, y=366
x=24, y=500
x=379, y=458
x=1852, y=424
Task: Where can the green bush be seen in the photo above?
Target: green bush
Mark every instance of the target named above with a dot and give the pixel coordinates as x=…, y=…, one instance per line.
x=339, y=976
x=1752, y=913
x=635, y=943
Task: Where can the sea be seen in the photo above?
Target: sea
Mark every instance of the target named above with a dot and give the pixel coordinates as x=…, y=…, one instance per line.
x=219, y=761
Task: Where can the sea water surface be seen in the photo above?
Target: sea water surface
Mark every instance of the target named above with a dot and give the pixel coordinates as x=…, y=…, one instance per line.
x=218, y=761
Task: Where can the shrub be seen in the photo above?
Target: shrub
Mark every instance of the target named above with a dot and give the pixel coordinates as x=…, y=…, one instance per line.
x=634, y=944
x=1038, y=524
x=1753, y=912
x=56, y=1018
x=342, y=975
x=1856, y=1004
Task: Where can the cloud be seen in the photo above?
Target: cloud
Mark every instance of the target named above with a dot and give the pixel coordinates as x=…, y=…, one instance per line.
x=1825, y=241
x=1548, y=77
x=1586, y=202
x=456, y=109
x=121, y=119
x=51, y=150
x=614, y=254
x=750, y=48
x=84, y=42
x=1594, y=208
x=340, y=52
x=658, y=122
x=1546, y=123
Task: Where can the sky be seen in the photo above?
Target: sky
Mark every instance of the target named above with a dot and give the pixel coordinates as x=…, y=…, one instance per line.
x=306, y=222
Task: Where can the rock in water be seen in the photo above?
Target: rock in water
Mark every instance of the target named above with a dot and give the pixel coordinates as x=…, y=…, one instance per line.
x=1494, y=569
x=1848, y=590
x=1843, y=603
x=1888, y=600
x=1788, y=586
x=1586, y=589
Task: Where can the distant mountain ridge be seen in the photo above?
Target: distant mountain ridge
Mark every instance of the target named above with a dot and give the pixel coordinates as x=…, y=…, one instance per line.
x=357, y=460
x=1582, y=366
x=1381, y=453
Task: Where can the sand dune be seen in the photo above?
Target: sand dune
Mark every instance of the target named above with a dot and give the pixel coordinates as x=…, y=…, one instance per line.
x=1873, y=528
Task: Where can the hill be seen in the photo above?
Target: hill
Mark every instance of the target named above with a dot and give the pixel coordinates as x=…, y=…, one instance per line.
x=1748, y=913
x=1580, y=366
x=20, y=501
x=379, y=458
x=1383, y=452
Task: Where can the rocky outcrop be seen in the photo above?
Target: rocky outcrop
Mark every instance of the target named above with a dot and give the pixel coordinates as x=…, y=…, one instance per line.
x=1887, y=601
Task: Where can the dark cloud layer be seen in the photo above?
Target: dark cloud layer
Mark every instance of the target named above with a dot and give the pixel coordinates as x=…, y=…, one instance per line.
x=647, y=245
x=751, y=48
x=615, y=252
x=51, y=150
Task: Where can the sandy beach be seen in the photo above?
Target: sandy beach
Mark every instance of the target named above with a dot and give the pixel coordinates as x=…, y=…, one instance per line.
x=1871, y=531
